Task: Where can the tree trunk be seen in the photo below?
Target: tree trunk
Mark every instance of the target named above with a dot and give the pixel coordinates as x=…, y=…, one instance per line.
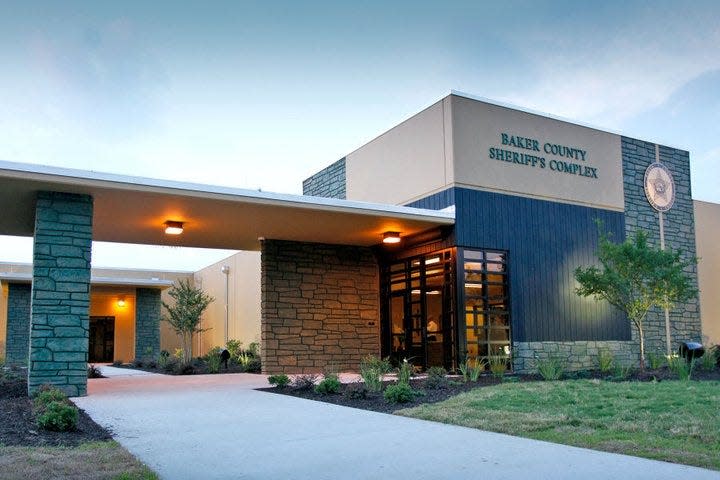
x=642, y=347
x=187, y=347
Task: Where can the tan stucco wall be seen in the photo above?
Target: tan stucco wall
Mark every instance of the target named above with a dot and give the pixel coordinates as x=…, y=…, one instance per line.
x=449, y=144
x=477, y=127
x=404, y=163
x=243, y=301
x=707, y=236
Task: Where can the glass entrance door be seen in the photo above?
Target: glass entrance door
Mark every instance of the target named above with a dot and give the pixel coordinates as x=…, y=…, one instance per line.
x=418, y=314
x=101, y=346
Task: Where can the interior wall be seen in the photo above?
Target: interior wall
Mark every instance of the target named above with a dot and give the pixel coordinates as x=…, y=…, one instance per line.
x=707, y=231
x=243, y=303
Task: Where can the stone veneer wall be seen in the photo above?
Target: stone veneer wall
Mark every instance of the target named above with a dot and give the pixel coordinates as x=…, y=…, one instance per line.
x=18, y=324
x=679, y=234
x=320, y=306
x=61, y=292
x=328, y=182
x=147, y=323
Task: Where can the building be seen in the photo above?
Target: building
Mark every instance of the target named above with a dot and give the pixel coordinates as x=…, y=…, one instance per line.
x=455, y=234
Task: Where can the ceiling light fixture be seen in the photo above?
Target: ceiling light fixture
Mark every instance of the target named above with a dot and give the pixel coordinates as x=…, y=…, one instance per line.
x=391, y=237
x=121, y=301
x=173, y=227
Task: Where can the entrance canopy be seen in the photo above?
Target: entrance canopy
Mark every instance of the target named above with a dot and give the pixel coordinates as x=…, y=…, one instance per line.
x=134, y=210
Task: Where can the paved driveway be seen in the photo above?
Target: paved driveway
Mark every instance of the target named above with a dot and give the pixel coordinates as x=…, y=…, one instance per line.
x=218, y=427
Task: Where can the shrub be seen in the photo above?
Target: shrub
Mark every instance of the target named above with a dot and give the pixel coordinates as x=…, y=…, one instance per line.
x=372, y=369
x=254, y=349
x=213, y=362
x=253, y=365
x=53, y=410
x=214, y=351
x=681, y=367
x=184, y=368
x=59, y=417
x=47, y=394
x=437, y=378
x=171, y=365
x=164, y=359
x=498, y=365
x=234, y=347
x=304, y=382
x=656, y=360
x=606, y=360
x=550, y=368
x=621, y=372
x=405, y=371
x=477, y=368
x=463, y=369
x=399, y=393
x=137, y=363
x=281, y=380
x=357, y=391
x=117, y=363
x=178, y=353
x=94, y=372
x=329, y=385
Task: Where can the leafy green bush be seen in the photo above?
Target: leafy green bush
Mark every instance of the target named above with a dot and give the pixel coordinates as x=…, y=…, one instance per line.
x=47, y=394
x=253, y=365
x=304, y=382
x=254, y=349
x=213, y=352
x=59, y=417
x=164, y=359
x=329, y=385
x=477, y=368
x=550, y=368
x=621, y=372
x=213, y=362
x=183, y=368
x=606, y=360
x=53, y=410
x=137, y=363
x=399, y=393
x=498, y=365
x=281, y=380
x=372, y=369
x=357, y=391
x=405, y=371
x=681, y=367
x=234, y=348
x=437, y=378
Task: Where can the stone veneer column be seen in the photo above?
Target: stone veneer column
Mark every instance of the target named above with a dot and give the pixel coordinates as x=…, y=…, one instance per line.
x=147, y=323
x=61, y=292
x=320, y=306
x=679, y=234
x=18, y=324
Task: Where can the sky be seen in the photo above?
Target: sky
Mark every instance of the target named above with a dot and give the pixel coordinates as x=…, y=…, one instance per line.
x=263, y=94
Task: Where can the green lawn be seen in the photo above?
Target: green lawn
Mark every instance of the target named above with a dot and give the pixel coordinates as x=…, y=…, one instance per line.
x=670, y=420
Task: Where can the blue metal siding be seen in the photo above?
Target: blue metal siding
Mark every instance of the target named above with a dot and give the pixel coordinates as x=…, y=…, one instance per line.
x=545, y=242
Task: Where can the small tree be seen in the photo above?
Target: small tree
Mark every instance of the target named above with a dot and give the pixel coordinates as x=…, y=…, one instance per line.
x=636, y=277
x=184, y=316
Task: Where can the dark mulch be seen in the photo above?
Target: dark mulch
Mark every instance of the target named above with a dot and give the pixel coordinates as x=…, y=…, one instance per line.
x=17, y=422
x=198, y=367
x=376, y=402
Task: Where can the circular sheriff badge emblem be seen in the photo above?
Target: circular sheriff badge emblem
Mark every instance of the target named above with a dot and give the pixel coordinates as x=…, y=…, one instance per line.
x=659, y=187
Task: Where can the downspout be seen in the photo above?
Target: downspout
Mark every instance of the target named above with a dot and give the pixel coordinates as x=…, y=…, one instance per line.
x=226, y=271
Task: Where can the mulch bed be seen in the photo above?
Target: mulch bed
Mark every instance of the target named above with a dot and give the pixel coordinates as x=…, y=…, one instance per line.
x=376, y=402
x=17, y=422
x=198, y=368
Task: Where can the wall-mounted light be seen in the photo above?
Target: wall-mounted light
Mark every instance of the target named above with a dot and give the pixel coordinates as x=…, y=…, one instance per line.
x=173, y=227
x=121, y=302
x=391, y=237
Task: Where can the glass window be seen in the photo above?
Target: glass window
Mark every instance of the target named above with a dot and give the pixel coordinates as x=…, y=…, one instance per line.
x=487, y=318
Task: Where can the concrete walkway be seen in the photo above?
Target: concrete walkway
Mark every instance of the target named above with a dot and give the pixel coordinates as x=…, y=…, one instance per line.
x=218, y=427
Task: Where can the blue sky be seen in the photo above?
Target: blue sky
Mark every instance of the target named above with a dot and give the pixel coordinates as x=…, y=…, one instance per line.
x=262, y=94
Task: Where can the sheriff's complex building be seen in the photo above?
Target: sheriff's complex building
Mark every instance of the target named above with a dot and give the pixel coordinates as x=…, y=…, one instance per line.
x=490, y=208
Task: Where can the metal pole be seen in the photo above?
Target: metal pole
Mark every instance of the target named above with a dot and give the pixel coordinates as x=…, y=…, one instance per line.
x=226, y=271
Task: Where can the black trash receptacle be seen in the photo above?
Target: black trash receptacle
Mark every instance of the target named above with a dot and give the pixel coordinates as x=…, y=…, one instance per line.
x=691, y=350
